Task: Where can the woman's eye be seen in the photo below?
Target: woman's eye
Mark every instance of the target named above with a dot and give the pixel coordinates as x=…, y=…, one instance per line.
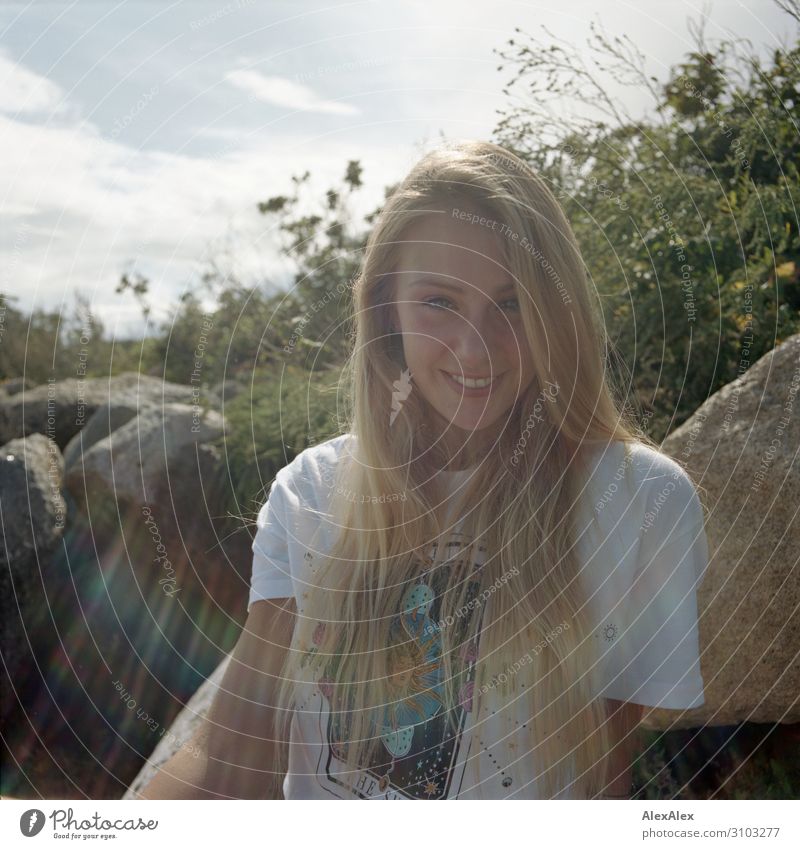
x=432, y=302
x=514, y=302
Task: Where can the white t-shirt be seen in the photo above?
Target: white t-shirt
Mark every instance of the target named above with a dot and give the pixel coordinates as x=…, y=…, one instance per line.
x=644, y=551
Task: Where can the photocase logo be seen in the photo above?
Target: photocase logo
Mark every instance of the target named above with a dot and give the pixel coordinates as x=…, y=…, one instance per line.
x=402, y=389
x=31, y=822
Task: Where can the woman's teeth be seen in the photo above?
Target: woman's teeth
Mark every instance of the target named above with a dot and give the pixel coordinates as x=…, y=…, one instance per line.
x=472, y=383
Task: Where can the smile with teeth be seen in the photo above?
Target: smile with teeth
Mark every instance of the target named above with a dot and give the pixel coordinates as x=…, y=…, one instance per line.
x=472, y=383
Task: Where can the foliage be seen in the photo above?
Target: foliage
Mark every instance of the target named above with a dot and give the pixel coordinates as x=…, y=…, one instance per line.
x=744, y=761
x=687, y=219
x=46, y=344
x=327, y=250
x=286, y=410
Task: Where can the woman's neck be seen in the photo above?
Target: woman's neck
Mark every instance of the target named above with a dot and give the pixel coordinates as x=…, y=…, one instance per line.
x=456, y=449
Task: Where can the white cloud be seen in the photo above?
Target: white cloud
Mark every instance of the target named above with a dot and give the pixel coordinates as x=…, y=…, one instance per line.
x=280, y=91
x=22, y=91
x=76, y=207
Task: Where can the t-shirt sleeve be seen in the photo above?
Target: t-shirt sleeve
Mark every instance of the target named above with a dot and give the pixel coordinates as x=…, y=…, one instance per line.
x=271, y=575
x=656, y=657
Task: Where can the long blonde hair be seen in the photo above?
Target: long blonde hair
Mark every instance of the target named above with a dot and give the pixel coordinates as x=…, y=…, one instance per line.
x=518, y=503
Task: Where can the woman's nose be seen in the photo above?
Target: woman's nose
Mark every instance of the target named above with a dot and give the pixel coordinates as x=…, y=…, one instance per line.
x=474, y=344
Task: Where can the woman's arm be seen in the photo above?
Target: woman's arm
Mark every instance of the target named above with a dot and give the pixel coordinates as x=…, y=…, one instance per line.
x=238, y=756
x=624, y=718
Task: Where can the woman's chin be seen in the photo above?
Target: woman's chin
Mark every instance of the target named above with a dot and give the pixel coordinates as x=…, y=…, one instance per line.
x=477, y=425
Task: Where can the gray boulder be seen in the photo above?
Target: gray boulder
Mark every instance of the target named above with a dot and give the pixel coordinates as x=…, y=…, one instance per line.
x=104, y=421
x=33, y=519
x=16, y=384
x=741, y=448
x=59, y=410
x=133, y=460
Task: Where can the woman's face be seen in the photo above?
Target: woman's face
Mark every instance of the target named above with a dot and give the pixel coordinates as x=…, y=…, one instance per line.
x=458, y=312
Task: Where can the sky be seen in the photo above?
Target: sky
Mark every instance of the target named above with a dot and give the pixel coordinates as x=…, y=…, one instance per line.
x=142, y=135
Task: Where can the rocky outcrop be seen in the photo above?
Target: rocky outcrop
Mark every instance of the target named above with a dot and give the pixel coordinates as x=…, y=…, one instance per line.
x=741, y=448
x=15, y=384
x=33, y=519
x=102, y=423
x=61, y=408
x=143, y=595
x=131, y=463
x=161, y=476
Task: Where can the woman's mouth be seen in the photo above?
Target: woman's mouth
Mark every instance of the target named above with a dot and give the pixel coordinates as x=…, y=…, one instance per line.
x=471, y=388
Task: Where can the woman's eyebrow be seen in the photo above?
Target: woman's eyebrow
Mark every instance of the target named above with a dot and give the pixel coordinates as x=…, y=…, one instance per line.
x=455, y=287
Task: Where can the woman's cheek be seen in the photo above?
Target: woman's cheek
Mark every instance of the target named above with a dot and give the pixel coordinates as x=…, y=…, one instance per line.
x=428, y=333
x=426, y=320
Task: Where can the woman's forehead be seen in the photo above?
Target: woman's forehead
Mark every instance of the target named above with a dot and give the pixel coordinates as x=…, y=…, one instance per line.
x=443, y=245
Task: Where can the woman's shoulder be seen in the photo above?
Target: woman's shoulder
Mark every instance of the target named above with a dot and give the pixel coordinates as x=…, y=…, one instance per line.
x=314, y=466
x=656, y=472
x=635, y=461
x=628, y=472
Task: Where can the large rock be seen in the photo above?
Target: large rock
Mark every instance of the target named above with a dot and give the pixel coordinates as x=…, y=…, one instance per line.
x=16, y=384
x=186, y=724
x=102, y=423
x=741, y=448
x=60, y=409
x=146, y=599
x=131, y=462
x=33, y=519
x=159, y=481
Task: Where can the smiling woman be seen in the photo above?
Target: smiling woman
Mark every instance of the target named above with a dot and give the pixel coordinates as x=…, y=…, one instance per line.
x=496, y=632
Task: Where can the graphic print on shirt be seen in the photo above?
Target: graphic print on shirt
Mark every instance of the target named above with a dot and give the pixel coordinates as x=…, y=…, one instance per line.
x=419, y=750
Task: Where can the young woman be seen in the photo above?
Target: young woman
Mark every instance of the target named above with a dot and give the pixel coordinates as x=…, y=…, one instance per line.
x=473, y=591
